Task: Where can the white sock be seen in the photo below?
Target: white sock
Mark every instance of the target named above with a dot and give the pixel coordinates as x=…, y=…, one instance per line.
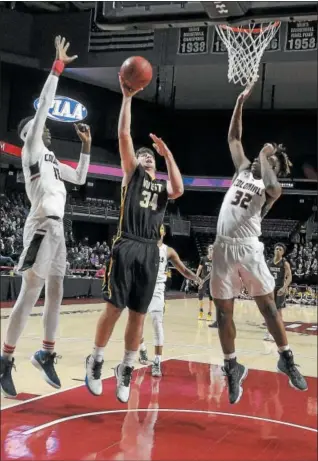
x=284, y=348
x=230, y=356
x=158, y=358
x=142, y=347
x=98, y=353
x=129, y=359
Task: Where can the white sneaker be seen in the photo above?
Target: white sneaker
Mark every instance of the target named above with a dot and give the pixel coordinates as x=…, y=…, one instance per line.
x=156, y=369
x=268, y=337
x=93, y=375
x=123, y=375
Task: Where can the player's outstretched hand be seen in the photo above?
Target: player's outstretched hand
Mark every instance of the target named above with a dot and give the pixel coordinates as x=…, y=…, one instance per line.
x=61, y=50
x=246, y=93
x=268, y=150
x=83, y=132
x=159, y=145
x=199, y=282
x=127, y=92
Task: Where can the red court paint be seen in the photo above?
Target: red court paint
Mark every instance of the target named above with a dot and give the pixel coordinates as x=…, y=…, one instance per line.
x=183, y=416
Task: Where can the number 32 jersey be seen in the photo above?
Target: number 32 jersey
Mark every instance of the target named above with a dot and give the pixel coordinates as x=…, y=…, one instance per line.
x=240, y=215
x=143, y=205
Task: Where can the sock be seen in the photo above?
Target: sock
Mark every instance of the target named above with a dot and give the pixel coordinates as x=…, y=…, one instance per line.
x=48, y=346
x=142, y=347
x=230, y=356
x=129, y=359
x=284, y=348
x=201, y=309
x=158, y=358
x=8, y=351
x=98, y=353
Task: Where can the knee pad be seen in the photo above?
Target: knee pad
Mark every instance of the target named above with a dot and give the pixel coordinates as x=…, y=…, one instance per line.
x=157, y=323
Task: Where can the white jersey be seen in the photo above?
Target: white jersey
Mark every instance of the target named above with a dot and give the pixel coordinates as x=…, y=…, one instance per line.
x=162, y=273
x=240, y=214
x=44, y=186
x=43, y=173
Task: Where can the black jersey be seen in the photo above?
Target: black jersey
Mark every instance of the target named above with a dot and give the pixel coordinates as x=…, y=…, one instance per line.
x=206, y=264
x=277, y=271
x=143, y=205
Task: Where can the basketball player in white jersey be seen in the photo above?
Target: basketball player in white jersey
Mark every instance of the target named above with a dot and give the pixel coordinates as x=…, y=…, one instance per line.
x=238, y=253
x=43, y=260
x=157, y=304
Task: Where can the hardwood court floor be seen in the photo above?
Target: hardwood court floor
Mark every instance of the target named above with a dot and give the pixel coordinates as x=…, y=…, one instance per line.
x=278, y=422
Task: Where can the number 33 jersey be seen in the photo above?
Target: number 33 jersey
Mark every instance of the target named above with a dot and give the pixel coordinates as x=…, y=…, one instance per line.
x=43, y=184
x=240, y=215
x=143, y=205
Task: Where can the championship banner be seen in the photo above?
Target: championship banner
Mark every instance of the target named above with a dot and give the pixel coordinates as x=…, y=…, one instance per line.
x=218, y=46
x=301, y=36
x=193, y=40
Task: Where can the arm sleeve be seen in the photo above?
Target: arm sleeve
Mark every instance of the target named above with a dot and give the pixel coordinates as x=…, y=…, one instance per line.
x=78, y=175
x=33, y=142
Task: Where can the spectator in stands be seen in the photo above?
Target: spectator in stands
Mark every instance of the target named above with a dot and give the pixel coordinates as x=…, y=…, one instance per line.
x=6, y=261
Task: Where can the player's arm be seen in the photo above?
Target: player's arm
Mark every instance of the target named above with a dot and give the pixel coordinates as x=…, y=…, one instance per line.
x=33, y=140
x=288, y=279
x=78, y=175
x=173, y=256
x=235, y=133
x=200, y=267
x=126, y=146
x=175, y=186
x=272, y=187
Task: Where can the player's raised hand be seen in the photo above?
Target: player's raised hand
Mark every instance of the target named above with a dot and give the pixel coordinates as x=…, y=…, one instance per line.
x=246, y=93
x=159, y=145
x=83, y=132
x=268, y=149
x=61, y=50
x=127, y=92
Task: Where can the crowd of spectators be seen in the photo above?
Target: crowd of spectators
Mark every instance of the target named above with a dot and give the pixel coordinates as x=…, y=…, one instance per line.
x=82, y=256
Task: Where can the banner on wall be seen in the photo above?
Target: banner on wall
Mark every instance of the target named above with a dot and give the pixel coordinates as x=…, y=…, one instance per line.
x=193, y=40
x=301, y=36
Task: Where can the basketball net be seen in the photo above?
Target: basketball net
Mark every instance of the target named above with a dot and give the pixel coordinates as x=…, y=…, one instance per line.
x=245, y=46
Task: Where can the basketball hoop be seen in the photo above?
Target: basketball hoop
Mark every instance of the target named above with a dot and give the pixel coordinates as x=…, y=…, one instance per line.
x=245, y=47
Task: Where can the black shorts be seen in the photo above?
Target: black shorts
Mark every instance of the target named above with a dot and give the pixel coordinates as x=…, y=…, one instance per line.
x=131, y=274
x=205, y=290
x=280, y=300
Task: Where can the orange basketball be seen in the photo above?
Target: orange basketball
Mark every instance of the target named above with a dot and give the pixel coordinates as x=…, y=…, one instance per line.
x=136, y=72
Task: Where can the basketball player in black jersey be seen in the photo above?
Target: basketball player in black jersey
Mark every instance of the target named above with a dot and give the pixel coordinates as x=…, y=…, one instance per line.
x=132, y=272
x=204, y=271
x=280, y=269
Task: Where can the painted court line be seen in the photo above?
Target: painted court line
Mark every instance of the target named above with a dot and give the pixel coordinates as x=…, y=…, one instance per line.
x=164, y=410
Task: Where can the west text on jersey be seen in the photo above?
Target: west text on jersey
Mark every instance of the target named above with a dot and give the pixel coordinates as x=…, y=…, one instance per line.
x=153, y=186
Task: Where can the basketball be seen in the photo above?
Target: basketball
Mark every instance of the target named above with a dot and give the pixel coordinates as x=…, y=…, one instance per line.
x=136, y=72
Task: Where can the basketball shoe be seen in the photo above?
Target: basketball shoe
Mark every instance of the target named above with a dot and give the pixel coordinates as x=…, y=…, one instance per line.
x=200, y=315
x=209, y=317
x=44, y=361
x=143, y=357
x=156, y=369
x=93, y=375
x=235, y=373
x=123, y=375
x=287, y=366
x=6, y=381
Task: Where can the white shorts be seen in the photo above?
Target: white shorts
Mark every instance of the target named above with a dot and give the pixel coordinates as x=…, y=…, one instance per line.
x=237, y=263
x=44, y=248
x=157, y=303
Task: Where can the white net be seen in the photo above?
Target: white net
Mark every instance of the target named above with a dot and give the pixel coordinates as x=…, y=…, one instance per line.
x=245, y=46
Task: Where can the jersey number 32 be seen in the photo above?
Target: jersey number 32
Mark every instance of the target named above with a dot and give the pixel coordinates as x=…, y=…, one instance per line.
x=242, y=199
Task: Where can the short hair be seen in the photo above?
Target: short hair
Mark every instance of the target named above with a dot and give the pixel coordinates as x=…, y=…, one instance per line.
x=22, y=124
x=284, y=162
x=280, y=245
x=143, y=151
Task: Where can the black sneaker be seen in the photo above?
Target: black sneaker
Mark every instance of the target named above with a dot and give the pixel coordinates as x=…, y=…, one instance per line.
x=143, y=357
x=44, y=361
x=235, y=373
x=6, y=381
x=286, y=365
